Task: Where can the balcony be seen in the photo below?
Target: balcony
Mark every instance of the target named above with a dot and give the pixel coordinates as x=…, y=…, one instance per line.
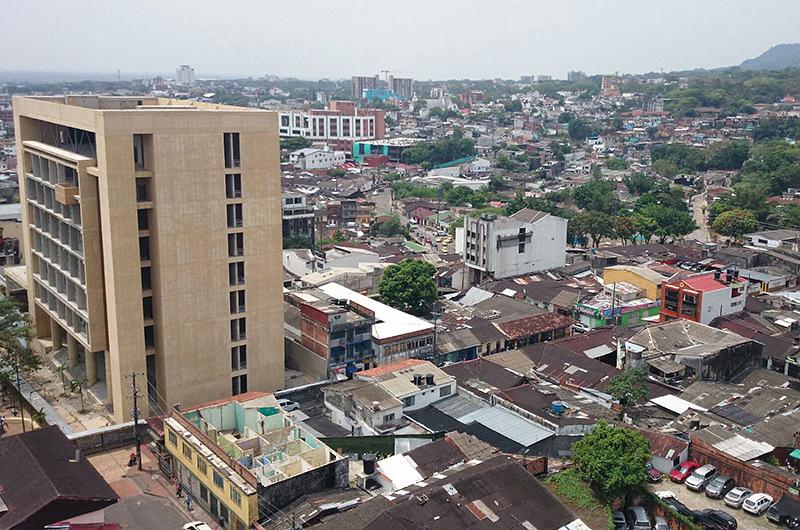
x=67, y=195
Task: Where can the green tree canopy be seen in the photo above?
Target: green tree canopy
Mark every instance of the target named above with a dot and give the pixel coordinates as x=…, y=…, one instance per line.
x=638, y=183
x=612, y=459
x=629, y=388
x=735, y=223
x=670, y=222
x=597, y=196
x=409, y=286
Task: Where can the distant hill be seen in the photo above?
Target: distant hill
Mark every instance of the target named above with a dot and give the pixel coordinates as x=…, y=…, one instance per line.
x=776, y=58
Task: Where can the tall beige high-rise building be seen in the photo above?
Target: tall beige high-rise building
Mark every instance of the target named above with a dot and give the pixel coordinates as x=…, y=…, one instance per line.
x=152, y=229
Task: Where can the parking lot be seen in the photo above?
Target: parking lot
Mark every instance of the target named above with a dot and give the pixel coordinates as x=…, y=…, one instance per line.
x=699, y=501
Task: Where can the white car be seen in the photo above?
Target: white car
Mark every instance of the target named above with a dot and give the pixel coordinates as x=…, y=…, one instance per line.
x=288, y=405
x=736, y=496
x=196, y=525
x=757, y=503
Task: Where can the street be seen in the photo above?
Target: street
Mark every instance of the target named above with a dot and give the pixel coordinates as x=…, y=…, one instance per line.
x=699, y=211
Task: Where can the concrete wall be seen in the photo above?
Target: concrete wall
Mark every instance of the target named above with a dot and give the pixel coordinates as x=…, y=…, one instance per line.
x=334, y=475
x=300, y=358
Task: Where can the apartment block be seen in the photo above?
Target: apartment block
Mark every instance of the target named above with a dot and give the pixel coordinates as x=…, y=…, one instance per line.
x=703, y=297
x=152, y=233
x=339, y=125
x=501, y=247
x=244, y=460
x=360, y=83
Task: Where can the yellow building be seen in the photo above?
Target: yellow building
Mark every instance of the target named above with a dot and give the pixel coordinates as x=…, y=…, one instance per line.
x=242, y=459
x=152, y=232
x=646, y=279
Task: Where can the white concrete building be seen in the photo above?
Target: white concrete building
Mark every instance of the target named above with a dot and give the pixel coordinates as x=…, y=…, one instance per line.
x=501, y=247
x=184, y=75
x=415, y=382
x=311, y=158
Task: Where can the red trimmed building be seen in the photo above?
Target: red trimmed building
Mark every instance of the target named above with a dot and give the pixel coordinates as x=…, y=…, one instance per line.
x=703, y=297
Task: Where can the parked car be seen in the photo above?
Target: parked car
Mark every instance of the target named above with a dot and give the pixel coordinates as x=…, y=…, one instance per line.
x=719, y=487
x=653, y=475
x=660, y=524
x=786, y=511
x=619, y=520
x=700, y=477
x=736, y=496
x=288, y=405
x=757, y=503
x=669, y=498
x=638, y=518
x=683, y=471
x=196, y=525
x=711, y=519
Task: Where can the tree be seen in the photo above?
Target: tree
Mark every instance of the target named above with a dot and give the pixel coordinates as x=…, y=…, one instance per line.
x=612, y=459
x=409, y=286
x=337, y=172
x=598, y=226
x=38, y=417
x=293, y=143
x=638, y=183
x=625, y=229
x=665, y=168
x=729, y=155
x=629, y=388
x=578, y=129
x=671, y=223
x=389, y=228
x=296, y=241
x=735, y=223
x=645, y=227
x=76, y=387
x=615, y=163
x=16, y=357
x=596, y=195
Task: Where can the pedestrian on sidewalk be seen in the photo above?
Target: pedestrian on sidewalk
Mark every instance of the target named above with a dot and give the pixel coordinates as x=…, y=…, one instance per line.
x=188, y=501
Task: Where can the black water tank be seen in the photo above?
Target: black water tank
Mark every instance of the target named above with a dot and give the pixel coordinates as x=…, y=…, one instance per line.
x=429, y=379
x=369, y=463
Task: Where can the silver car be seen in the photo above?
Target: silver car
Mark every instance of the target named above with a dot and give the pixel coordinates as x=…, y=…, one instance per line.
x=736, y=496
x=660, y=524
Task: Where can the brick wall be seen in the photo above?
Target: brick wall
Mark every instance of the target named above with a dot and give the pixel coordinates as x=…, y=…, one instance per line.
x=765, y=478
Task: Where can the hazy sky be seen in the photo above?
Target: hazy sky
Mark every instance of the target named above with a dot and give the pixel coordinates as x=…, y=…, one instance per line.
x=418, y=38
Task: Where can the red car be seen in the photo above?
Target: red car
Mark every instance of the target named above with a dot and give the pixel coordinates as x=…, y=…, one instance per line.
x=682, y=472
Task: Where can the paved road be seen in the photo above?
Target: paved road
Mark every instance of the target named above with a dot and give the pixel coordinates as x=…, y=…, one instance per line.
x=699, y=210
x=147, y=512
x=699, y=501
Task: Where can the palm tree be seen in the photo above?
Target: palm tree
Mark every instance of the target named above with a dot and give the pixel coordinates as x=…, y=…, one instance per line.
x=76, y=386
x=15, y=352
x=38, y=417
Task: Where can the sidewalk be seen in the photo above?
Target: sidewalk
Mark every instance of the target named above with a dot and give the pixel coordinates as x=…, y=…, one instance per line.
x=131, y=484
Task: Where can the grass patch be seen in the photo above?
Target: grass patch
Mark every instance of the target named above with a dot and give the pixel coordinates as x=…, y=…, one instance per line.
x=577, y=493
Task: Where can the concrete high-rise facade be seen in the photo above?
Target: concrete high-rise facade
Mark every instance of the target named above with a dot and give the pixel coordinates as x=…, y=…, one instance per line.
x=402, y=86
x=184, y=75
x=152, y=232
x=360, y=83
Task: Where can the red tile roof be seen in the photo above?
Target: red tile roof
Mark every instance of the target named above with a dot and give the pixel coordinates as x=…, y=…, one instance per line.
x=240, y=398
x=705, y=282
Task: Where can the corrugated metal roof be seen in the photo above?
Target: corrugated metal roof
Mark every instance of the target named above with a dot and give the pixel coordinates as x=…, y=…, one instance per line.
x=510, y=425
x=742, y=448
x=458, y=407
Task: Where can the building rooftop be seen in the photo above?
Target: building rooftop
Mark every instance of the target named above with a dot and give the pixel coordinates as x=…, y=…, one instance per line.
x=390, y=323
x=776, y=235
x=642, y=271
x=41, y=481
x=249, y=439
x=685, y=337
x=133, y=103
x=397, y=378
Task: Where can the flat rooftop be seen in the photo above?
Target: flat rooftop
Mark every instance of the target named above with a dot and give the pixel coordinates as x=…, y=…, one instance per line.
x=112, y=103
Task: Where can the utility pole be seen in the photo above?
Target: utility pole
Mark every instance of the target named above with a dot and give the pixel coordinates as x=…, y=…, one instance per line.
x=135, y=414
x=19, y=392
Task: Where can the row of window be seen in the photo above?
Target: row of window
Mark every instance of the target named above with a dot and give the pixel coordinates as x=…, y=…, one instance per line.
x=408, y=345
x=63, y=284
x=58, y=230
x=66, y=313
x=235, y=219
x=202, y=467
x=52, y=172
x=59, y=256
x=45, y=196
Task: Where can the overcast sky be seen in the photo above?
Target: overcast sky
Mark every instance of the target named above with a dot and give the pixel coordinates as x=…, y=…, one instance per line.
x=424, y=39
